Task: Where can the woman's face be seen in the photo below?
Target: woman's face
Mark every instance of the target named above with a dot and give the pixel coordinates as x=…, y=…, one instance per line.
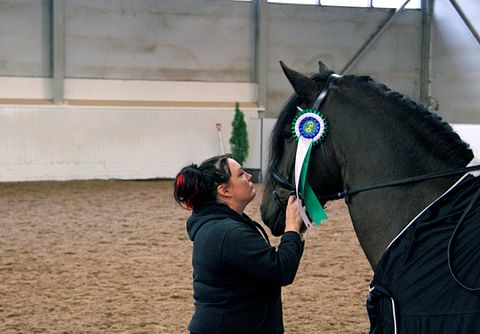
x=240, y=184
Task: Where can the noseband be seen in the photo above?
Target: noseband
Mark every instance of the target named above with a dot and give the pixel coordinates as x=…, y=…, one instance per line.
x=281, y=181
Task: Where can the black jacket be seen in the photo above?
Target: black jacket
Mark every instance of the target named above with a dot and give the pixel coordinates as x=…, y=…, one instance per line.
x=237, y=275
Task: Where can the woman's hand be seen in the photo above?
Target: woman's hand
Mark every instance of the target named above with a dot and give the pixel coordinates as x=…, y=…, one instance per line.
x=293, y=220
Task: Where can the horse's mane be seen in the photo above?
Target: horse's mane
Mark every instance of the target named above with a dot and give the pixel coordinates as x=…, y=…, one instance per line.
x=435, y=135
x=277, y=136
x=429, y=130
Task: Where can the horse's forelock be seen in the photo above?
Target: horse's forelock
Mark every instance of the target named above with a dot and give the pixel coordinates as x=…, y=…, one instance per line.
x=277, y=138
x=284, y=119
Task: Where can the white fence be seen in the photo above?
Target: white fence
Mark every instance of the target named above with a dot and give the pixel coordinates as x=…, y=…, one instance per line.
x=73, y=142
x=64, y=143
x=470, y=133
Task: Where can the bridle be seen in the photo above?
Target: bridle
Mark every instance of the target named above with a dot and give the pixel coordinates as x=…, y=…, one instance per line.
x=277, y=178
x=281, y=181
x=348, y=193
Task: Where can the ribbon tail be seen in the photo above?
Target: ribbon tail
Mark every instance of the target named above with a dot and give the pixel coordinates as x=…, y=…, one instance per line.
x=313, y=206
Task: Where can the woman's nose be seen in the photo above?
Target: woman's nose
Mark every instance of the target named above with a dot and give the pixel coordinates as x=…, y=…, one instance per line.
x=249, y=176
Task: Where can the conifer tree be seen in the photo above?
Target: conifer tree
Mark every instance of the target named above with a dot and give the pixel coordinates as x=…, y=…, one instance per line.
x=239, y=137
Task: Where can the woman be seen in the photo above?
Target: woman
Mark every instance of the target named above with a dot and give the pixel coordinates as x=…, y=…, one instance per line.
x=237, y=275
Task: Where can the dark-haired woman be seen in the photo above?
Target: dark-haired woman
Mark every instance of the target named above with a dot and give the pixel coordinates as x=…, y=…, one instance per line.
x=237, y=274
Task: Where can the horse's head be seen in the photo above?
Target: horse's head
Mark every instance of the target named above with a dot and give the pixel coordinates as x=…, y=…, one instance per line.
x=283, y=144
x=375, y=136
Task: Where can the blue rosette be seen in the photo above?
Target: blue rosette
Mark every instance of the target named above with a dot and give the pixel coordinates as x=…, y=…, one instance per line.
x=311, y=125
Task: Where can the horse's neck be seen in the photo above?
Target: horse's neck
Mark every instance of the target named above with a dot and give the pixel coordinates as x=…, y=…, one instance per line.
x=379, y=215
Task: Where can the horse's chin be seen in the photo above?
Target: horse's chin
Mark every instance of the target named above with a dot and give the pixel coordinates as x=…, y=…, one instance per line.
x=276, y=223
x=278, y=230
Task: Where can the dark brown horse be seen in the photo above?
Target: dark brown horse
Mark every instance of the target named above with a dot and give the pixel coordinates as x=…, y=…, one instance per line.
x=375, y=136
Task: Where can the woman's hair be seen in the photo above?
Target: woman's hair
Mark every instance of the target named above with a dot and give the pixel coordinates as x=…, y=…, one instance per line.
x=196, y=186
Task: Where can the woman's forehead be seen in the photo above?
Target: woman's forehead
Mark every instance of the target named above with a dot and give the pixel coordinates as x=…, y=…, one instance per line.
x=233, y=164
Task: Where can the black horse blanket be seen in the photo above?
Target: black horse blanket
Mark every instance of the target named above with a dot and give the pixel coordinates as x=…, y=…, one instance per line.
x=413, y=291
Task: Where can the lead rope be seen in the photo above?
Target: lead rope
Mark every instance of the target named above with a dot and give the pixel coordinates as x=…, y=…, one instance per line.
x=262, y=231
x=449, y=249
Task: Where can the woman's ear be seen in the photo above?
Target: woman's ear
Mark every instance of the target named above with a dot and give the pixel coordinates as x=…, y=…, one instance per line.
x=223, y=190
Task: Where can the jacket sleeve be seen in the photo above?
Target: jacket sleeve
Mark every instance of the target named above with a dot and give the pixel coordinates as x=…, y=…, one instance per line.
x=246, y=251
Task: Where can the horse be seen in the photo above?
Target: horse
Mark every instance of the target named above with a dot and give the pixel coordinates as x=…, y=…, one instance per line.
x=391, y=159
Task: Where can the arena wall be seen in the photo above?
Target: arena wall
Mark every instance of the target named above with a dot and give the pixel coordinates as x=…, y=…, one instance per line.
x=158, y=64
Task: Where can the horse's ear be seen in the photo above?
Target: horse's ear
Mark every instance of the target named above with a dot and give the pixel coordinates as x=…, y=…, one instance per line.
x=322, y=67
x=303, y=85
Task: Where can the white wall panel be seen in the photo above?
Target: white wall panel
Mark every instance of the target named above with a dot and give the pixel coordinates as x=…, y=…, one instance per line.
x=70, y=142
x=470, y=133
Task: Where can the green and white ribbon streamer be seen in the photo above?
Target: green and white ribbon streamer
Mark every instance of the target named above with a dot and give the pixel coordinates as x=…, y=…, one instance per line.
x=310, y=127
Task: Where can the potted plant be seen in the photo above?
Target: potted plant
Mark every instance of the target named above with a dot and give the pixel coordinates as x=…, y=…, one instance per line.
x=239, y=137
